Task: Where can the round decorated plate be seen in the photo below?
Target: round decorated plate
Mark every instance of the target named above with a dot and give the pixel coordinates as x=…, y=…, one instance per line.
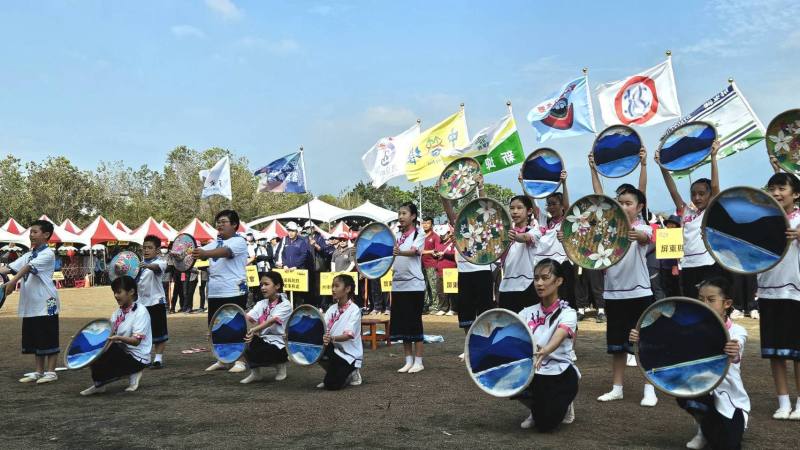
x=681, y=347
x=228, y=329
x=180, y=252
x=304, y=332
x=783, y=140
x=124, y=263
x=459, y=178
x=498, y=352
x=374, y=250
x=88, y=344
x=686, y=146
x=616, y=151
x=481, y=231
x=541, y=173
x=744, y=230
x=595, y=232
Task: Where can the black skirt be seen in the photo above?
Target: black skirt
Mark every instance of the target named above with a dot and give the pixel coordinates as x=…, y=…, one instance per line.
x=262, y=354
x=474, y=296
x=692, y=276
x=622, y=316
x=114, y=364
x=336, y=369
x=518, y=300
x=40, y=335
x=158, y=322
x=406, y=317
x=780, y=335
x=549, y=397
x=215, y=303
x=720, y=431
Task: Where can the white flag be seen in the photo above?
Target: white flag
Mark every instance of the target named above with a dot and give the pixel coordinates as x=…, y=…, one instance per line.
x=217, y=180
x=388, y=157
x=644, y=99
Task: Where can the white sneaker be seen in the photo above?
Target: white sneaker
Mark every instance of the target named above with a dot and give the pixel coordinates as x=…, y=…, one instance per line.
x=450, y=313
x=782, y=414
x=755, y=315
x=93, y=390
x=698, y=441
x=527, y=423
x=216, y=366
x=238, y=367
x=355, y=378
x=133, y=383
x=461, y=357
x=255, y=375
x=649, y=400
x=441, y=313
x=321, y=386
x=405, y=368
x=609, y=397
x=795, y=415
x=281, y=375
x=48, y=377
x=570, y=416
x=31, y=377
x=416, y=368
x=631, y=362
x=736, y=314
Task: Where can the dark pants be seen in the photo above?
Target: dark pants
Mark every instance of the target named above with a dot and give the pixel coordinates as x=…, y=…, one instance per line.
x=114, y=364
x=670, y=284
x=336, y=369
x=178, y=292
x=262, y=354
x=693, y=276
x=589, y=288
x=549, y=397
x=377, y=298
x=203, y=293
x=187, y=302
x=567, y=289
x=721, y=432
x=744, y=291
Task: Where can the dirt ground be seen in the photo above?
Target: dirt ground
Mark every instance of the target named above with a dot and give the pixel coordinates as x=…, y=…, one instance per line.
x=182, y=406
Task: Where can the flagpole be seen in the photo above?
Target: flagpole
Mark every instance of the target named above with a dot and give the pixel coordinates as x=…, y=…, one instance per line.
x=305, y=181
x=419, y=210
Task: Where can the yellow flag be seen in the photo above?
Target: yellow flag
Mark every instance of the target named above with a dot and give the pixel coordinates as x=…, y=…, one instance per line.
x=426, y=159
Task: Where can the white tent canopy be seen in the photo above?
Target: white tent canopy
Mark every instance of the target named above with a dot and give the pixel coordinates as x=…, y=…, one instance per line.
x=11, y=238
x=370, y=211
x=320, y=211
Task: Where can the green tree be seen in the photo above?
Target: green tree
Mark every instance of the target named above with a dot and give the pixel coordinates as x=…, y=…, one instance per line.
x=14, y=192
x=60, y=190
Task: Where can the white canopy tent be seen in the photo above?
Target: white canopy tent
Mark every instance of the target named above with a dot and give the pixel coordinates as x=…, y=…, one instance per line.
x=370, y=211
x=320, y=211
x=11, y=238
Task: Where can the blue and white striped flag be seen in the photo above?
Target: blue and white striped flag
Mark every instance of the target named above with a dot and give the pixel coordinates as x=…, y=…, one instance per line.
x=286, y=174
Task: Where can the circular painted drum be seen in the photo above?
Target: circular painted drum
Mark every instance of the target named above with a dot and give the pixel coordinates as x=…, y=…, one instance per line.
x=681, y=347
x=744, y=230
x=783, y=140
x=228, y=329
x=124, y=263
x=595, y=232
x=616, y=151
x=304, y=331
x=374, y=250
x=481, y=231
x=686, y=146
x=88, y=344
x=541, y=173
x=499, y=352
x=459, y=178
x=180, y=252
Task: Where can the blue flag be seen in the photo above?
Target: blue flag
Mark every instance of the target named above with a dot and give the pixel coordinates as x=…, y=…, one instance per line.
x=567, y=112
x=286, y=174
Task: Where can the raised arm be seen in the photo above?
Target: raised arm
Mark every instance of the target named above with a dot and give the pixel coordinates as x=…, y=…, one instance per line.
x=564, y=194
x=643, y=170
x=714, y=169
x=673, y=190
x=596, y=184
x=773, y=161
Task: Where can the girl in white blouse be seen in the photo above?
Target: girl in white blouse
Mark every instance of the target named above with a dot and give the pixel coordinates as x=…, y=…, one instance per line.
x=343, y=351
x=554, y=325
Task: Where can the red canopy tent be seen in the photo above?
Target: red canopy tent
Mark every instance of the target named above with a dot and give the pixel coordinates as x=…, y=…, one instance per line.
x=199, y=231
x=12, y=226
x=340, y=228
x=122, y=227
x=101, y=230
x=70, y=226
x=150, y=226
x=275, y=228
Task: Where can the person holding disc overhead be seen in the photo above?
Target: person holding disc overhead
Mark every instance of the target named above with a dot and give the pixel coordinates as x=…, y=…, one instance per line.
x=722, y=414
x=516, y=287
x=779, y=298
x=265, y=345
x=38, y=302
x=344, y=353
x=553, y=324
x=227, y=278
x=549, y=245
x=131, y=341
x=626, y=287
x=152, y=297
x=408, y=288
x=697, y=264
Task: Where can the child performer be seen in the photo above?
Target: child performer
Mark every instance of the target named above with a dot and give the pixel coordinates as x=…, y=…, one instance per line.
x=722, y=414
x=265, y=345
x=131, y=341
x=553, y=323
x=38, y=303
x=343, y=351
x=779, y=299
x=516, y=287
x=151, y=295
x=408, y=288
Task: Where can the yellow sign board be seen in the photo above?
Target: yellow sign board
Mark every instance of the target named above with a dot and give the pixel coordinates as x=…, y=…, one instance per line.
x=295, y=280
x=252, y=276
x=201, y=263
x=58, y=276
x=326, y=281
x=386, y=281
x=669, y=243
x=450, y=281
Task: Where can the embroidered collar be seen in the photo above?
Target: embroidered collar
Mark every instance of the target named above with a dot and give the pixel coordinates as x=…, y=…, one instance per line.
x=338, y=313
x=795, y=212
x=121, y=318
x=540, y=316
x=405, y=236
x=520, y=229
x=271, y=304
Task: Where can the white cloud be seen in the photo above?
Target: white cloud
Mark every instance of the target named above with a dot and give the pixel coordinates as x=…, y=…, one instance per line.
x=225, y=8
x=186, y=31
x=278, y=47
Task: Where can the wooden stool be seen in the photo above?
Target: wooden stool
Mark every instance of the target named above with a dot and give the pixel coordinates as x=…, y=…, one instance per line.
x=373, y=335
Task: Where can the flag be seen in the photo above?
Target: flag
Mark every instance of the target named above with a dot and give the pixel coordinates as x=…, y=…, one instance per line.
x=737, y=125
x=425, y=160
x=644, y=99
x=387, y=158
x=498, y=146
x=217, y=180
x=287, y=174
x=565, y=113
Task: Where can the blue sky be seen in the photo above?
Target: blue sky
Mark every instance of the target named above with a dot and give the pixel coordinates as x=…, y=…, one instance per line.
x=99, y=80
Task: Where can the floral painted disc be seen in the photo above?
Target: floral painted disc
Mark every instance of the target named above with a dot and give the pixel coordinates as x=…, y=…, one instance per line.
x=595, y=232
x=459, y=178
x=481, y=231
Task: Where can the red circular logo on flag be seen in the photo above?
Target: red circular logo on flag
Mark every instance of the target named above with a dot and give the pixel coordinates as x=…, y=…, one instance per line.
x=637, y=100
